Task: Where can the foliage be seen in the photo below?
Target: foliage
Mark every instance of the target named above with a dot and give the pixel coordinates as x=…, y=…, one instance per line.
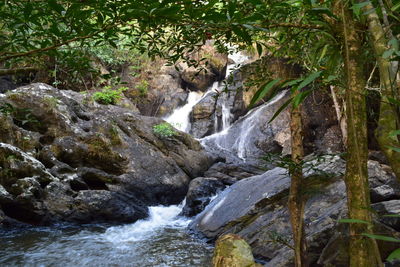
x=164, y=130
x=109, y=96
x=143, y=87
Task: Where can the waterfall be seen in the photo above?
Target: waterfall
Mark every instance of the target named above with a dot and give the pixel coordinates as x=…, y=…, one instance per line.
x=240, y=138
x=180, y=117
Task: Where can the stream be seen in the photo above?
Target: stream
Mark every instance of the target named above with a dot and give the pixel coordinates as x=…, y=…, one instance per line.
x=161, y=240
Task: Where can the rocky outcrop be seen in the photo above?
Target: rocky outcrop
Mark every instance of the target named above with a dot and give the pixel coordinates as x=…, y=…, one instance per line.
x=233, y=251
x=212, y=68
x=253, y=136
x=199, y=195
x=64, y=157
x=255, y=209
x=202, y=117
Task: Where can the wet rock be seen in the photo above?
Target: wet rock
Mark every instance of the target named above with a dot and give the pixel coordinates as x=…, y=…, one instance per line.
x=255, y=209
x=228, y=173
x=233, y=251
x=86, y=161
x=199, y=194
x=201, y=117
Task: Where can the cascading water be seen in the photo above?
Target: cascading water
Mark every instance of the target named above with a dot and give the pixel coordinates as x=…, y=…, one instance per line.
x=243, y=134
x=180, y=117
x=161, y=240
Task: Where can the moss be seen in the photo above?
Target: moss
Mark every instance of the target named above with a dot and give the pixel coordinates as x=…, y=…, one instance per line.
x=50, y=102
x=233, y=251
x=114, y=135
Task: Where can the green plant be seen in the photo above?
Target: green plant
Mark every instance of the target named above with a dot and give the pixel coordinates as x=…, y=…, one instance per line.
x=109, y=96
x=164, y=130
x=6, y=109
x=143, y=87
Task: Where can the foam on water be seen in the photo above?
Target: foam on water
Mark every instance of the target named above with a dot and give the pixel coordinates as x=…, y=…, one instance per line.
x=160, y=217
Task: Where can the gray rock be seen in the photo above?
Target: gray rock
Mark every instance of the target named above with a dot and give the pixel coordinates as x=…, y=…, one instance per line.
x=202, y=116
x=103, y=158
x=255, y=209
x=386, y=209
x=199, y=194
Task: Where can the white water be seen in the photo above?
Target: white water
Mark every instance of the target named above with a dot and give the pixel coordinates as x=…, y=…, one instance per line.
x=160, y=240
x=244, y=132
x=159, y=218
x=180, y=117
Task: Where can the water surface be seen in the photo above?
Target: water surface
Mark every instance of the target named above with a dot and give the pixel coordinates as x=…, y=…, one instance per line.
x=161, y=240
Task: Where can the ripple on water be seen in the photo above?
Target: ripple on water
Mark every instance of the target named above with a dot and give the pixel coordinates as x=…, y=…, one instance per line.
x=161, y=240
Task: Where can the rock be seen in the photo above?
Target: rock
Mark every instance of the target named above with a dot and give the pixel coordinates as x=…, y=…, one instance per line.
x=199, y=194
x=232, y=251
x=197, y=79
x=251, y=136
x=211, y=70
x=6, y=84
x=383, y=183
x=255, y=209
x=229, y=174
x=201, y=117
x=64, y=157
x=387, y=208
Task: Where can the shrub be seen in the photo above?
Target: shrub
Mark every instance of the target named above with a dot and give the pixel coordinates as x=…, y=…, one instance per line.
x=109, y=96
x=164, y=130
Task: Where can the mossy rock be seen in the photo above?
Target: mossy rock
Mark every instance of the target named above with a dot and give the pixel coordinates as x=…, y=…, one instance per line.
x=232, y=251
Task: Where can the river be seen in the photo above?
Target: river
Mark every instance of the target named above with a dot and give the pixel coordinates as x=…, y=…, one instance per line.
x=161, y=240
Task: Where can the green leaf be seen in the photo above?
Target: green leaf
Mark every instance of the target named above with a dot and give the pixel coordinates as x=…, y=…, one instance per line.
x=280, y=109
x=358, y=6
x=395, y=7
x=309, y=79
x=394, y=43
x=397, y=149
x=382, y=237
x=395, y=255
x=300, y=97
x=388, y=53
x=353, y=221
x=394, y=133
x=291, y=83
x=263, y=91
x=393, y=101
x=55, y=6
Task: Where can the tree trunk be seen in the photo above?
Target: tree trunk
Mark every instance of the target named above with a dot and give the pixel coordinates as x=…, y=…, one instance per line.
x=296, y=198
x=363, y=251
x=388, y=117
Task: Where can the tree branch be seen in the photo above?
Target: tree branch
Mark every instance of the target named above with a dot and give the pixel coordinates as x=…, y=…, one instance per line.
x=17, y=70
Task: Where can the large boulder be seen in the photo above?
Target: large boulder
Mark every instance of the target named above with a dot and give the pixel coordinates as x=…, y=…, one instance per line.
x=255, y=208
x=212, y=68
x=65, y=157
x=199, y=195
x=233, y=251
x=202, y=117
